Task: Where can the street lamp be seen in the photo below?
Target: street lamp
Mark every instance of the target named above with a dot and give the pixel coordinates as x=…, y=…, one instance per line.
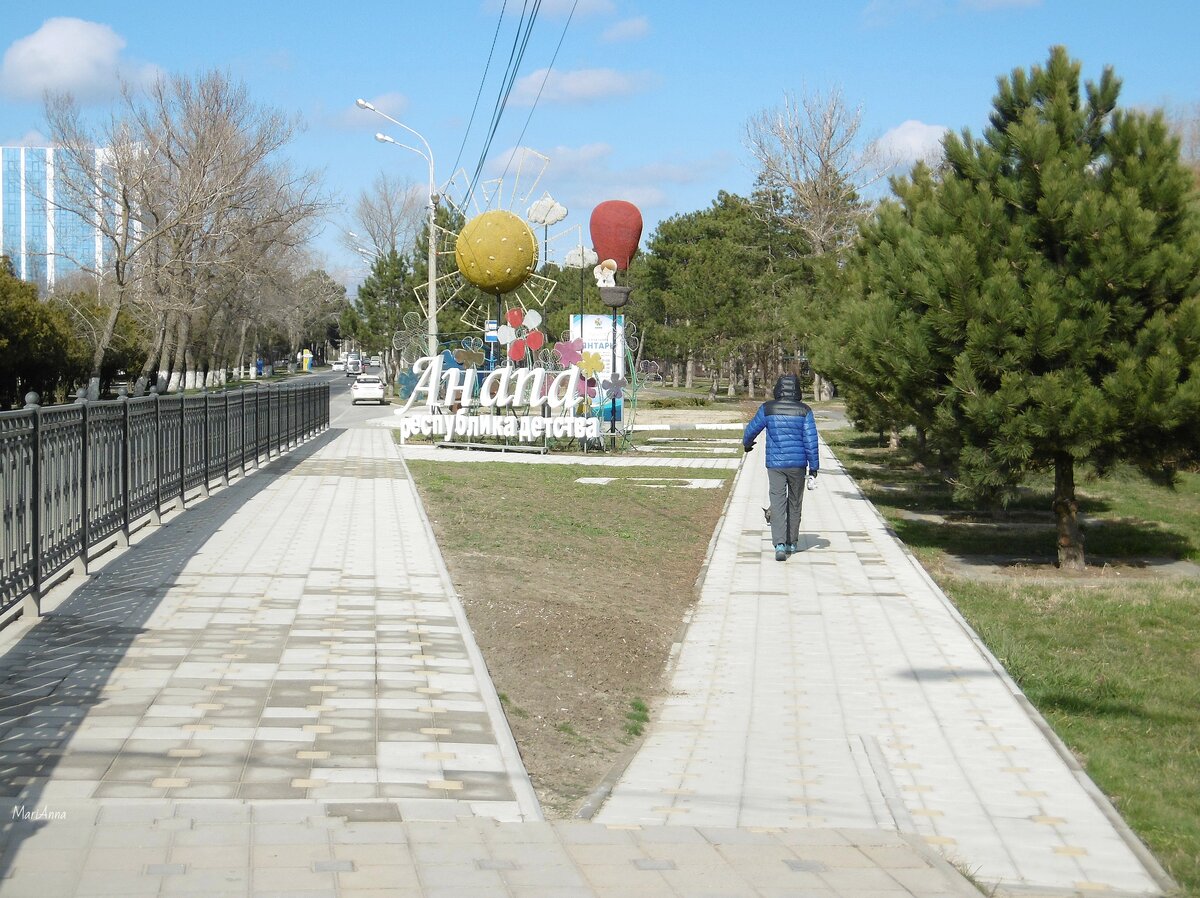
x=433, y=203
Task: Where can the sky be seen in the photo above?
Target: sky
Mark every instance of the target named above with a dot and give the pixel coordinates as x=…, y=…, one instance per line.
x=639, y=100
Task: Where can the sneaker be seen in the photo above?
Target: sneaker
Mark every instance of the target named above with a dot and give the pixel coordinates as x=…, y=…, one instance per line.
x=791, y=548
x=781, y=553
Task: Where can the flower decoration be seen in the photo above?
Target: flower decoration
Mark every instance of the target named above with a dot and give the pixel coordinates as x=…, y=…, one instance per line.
x=569, y=351
x=586, y=386
x=591, y=364
x=614, y=386
x=449, y=361
x=471, y=355
x=407, y=382
x=520, y=334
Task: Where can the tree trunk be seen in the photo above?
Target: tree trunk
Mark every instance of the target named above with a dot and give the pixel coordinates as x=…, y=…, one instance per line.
x=750, y=381
x=178, y=369
x=689, y=373
x=164, y=359
x=1066, y=511
x=148, y=366
x=241, y=351
x=675, y=370
x=893, y=439
x=822, y=388
x=716, y=384
x=106, y=337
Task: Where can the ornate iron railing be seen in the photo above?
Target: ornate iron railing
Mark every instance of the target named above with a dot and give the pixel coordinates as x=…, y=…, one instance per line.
x=74, y=476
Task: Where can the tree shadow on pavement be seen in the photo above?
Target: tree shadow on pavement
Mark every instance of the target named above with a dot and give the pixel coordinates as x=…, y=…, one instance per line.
x=55, y=674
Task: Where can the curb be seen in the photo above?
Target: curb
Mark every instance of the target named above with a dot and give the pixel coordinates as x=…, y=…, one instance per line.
x=596, y=798
x=1155, y=870
x=523, y=789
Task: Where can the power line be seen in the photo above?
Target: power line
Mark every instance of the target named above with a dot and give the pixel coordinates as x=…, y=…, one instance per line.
x=520, y=43
x=542, y=87
x=479, y=93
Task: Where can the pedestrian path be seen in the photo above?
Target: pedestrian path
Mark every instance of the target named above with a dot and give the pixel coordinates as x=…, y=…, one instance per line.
x=841, y=689
x=277, y=694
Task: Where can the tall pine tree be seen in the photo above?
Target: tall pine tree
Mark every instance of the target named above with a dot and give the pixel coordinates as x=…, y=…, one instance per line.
x=1056, y=268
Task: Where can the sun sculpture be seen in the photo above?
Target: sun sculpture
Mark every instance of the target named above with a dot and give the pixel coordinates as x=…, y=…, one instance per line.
x=496, y=251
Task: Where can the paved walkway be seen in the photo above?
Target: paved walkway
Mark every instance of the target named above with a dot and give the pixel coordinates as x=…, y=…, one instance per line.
x=842, y=689
x=277, y=694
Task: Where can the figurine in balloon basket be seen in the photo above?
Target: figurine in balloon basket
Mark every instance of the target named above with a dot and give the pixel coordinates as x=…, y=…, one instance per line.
x=792, y=459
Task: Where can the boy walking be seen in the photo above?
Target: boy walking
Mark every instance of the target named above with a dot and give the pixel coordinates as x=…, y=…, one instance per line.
x=791, y=453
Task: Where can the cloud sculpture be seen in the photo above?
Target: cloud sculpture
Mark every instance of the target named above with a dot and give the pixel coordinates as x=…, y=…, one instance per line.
x=66, y=54
x=546, y=211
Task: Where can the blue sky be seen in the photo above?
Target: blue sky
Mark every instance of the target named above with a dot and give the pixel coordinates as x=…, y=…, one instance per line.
x=647, y=100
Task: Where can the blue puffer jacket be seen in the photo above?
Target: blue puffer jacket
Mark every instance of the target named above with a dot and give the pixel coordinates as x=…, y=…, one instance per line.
x=791, y=430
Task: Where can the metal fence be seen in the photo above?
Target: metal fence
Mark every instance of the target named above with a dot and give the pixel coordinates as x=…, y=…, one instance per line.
x=73, y=476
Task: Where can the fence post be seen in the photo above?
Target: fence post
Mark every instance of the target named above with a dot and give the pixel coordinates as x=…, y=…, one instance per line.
x=158, y=454
x=204, y=442
x=85, y=486
x=182, y=454
x=126, y=465
x=225, y=427
x=31, y=605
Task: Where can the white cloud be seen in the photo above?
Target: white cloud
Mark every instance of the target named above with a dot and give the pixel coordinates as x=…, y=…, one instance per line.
x=561, y=8
x=33, y=138
x=579, y=86
x=583, y=176
x=627, y=30
x=66, y=54
x=913, y=141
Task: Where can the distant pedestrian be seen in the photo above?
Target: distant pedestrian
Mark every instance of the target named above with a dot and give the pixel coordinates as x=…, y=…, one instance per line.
x=791, y=454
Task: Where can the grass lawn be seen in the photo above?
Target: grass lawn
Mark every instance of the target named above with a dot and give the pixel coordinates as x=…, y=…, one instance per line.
x=1112, y=663
x=575, y=593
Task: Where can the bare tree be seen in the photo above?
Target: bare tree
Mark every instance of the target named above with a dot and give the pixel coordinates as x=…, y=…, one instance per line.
x=389, y=214
x=815, y=166
x=107, y=178
x=811, y=152
x=189, y=183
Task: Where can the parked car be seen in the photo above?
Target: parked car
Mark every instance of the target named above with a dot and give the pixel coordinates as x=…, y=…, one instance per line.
x=368, y=388
x=339, y=365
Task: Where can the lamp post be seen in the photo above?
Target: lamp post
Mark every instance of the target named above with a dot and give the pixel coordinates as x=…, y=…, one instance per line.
x=433, y=203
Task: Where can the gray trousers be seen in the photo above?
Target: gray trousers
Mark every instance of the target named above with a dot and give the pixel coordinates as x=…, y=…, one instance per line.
x=787, y=499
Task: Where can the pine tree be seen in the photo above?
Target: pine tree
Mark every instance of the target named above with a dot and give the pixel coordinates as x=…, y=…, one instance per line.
x=1060, y=261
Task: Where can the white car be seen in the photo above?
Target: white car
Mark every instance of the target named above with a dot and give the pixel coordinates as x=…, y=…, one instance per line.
x=368, y=388
x=339, y=365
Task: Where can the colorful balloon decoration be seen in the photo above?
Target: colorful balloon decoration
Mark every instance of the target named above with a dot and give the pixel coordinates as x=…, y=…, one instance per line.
x=616, y=228
x=496, y=251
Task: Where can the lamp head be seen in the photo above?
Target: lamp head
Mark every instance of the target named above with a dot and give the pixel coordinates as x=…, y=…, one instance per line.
x=363, y=104
x=383, y=138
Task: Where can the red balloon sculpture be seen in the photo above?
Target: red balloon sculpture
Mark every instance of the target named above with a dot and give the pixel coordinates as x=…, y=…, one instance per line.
x=616, y=228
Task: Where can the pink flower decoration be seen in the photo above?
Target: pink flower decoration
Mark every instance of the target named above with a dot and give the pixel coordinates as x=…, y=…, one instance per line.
x=534, y=340
x=515, y=317
x=570, y=352
x=516, y=350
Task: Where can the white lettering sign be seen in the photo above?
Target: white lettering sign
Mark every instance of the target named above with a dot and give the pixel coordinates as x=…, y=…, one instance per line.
x=503, y=388
x=437, y=391
x=526, y=430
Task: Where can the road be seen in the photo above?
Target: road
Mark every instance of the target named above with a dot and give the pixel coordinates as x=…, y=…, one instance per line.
x=341, y=412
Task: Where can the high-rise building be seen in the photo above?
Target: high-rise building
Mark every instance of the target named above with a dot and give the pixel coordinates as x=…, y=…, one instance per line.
x=44, y=238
